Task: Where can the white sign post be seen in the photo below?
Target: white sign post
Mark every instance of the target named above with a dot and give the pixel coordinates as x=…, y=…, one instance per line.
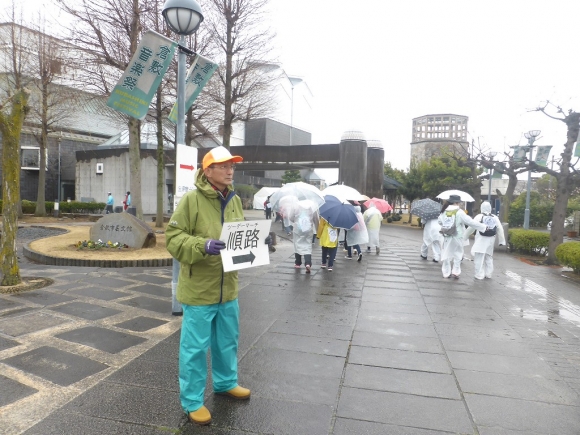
x=245, y=244
x=185, y=166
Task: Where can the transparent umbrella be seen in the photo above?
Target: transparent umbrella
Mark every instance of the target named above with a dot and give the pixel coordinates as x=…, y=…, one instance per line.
x=300, y=191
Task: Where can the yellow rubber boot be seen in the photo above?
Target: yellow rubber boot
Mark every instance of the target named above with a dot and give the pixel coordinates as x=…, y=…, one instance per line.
x=200, y=416
x=238, y=392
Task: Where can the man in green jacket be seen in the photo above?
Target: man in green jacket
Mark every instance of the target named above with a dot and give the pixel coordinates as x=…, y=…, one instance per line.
x=209, y=296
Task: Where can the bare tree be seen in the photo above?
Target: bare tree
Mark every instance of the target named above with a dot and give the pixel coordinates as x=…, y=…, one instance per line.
x=568, y=176
x=13, y=110
x=50, y=103
x=240, y=43
x=109, y=31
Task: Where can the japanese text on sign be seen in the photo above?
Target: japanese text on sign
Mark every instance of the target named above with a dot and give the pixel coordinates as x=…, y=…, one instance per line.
x=242, y=238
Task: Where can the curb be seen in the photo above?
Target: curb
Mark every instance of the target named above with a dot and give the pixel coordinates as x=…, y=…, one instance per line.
x=75, y=262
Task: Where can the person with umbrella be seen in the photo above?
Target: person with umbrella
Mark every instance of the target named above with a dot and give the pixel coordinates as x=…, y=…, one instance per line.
x=373, y=219
x=429, y=210
x=453, y=220
x=432, y=238
x=328, y=236
x=356, y=235
x=304, y=220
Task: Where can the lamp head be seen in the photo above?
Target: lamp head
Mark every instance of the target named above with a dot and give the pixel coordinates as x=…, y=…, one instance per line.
x=182, y=16
x=532, y=134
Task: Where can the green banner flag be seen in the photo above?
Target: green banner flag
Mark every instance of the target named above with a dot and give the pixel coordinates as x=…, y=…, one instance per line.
x=496, y=172
x=138, y=84
x=198, y=75
x=519, y=153
x=542, y=155
x=577, y=150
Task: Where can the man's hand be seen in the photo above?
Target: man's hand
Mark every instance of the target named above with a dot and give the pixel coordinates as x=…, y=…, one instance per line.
x=213, y=247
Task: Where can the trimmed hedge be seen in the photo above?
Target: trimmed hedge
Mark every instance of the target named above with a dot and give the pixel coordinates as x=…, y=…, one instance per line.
x=29, y=207
x=568, y=254
x=530, y=242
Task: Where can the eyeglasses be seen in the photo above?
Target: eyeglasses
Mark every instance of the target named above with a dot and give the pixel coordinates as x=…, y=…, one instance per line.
x=225, y=167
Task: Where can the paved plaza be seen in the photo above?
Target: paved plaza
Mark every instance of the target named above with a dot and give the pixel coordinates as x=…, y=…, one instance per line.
x=384, y=346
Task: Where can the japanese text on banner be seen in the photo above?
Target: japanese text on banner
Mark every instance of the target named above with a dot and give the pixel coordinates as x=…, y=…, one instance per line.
x=138, y=84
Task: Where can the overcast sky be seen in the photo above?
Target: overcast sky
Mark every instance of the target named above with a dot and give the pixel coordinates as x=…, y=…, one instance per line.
x=374, y=65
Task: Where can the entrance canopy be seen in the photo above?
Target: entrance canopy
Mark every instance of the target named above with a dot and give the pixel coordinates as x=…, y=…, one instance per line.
x=261, y=195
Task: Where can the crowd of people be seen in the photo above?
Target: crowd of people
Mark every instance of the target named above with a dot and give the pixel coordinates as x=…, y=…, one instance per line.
x=209, y=295
x=449, y=234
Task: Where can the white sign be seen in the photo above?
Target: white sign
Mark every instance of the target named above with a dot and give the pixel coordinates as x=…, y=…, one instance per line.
x=185, y=171
x=245, y=244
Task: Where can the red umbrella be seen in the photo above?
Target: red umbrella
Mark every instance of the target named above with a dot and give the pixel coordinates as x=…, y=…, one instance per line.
x=381, y=205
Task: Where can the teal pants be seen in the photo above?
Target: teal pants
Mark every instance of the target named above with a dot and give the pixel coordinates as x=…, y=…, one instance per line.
x=208, y=326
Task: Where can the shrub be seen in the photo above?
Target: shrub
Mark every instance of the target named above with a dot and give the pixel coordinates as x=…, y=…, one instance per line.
x=568, y=254
x=541, y=210
x=29, y=207
x=397, y=217
x=528, y=242
x=389, y=219
x=79, y=207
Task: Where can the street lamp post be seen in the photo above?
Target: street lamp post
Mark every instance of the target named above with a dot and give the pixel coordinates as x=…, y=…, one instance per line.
x=293, y=82
x=491, y=155
x=531, y=137
x=184, y=18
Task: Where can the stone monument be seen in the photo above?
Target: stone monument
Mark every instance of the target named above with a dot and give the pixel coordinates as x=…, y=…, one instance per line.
x=123, y=228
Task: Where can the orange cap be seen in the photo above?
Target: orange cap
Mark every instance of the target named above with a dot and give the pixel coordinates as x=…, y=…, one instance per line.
x=219, y=155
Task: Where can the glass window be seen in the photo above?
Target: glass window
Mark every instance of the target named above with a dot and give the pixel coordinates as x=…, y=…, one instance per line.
x=30, y=158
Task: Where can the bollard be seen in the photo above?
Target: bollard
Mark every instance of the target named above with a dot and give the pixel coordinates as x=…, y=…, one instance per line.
x=56, y=208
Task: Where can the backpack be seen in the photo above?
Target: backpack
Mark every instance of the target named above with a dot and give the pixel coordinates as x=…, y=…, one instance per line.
x=448, y=226
x=489, y=222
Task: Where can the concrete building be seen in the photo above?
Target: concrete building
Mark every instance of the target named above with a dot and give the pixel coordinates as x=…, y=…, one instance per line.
x=434, y=135
x=78, y=120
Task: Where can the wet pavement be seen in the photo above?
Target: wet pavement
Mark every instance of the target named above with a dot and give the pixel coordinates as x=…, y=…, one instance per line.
x=384, y=346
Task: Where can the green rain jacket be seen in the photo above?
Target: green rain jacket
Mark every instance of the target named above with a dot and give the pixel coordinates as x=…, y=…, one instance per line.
x=199, y=216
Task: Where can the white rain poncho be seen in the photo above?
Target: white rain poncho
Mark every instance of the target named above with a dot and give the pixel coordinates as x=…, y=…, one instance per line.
x=373, y=218
x=482, y=249
x=304, y=220
x=485, y=244
x=452, y=250
x=358, y=234
x=431, y=232
x=432, y=237
x=288, y=207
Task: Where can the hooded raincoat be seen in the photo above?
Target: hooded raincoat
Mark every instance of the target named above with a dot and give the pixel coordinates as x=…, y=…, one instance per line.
x=482, y=249
x=373, y=218
x=452, y=251
x=208, y=294
x=303, y=222
x=358, y=234
x=432, y=237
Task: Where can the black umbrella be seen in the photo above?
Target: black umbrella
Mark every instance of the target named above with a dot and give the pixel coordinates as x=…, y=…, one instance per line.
x=426, y=209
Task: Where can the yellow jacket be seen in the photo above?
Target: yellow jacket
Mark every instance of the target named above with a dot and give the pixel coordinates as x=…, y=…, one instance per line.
x=327, y=234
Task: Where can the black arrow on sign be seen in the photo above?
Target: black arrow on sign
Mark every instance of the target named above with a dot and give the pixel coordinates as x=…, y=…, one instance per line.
x=244, y=258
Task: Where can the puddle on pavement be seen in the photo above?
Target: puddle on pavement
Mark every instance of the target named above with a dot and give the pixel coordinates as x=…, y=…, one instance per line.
x=556, y=309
